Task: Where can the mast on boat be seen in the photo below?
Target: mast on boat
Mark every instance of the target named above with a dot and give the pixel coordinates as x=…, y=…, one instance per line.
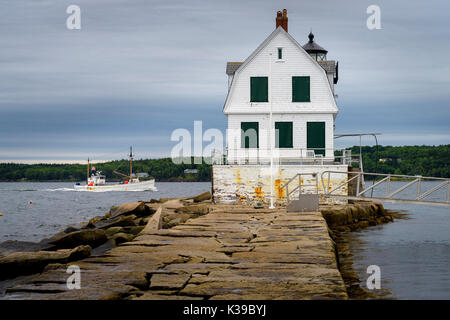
x=87, y=173
x=131, y=164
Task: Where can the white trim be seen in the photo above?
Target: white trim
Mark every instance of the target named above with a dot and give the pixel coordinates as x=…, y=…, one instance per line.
x=281, y=112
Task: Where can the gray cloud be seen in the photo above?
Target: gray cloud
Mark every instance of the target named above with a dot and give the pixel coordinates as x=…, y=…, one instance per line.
x=139, y=69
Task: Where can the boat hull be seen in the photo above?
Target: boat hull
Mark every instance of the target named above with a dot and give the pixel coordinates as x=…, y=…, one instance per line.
x=148, y=185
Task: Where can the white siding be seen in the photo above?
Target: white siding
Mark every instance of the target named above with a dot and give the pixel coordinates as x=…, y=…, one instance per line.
x=330, y=80
x=296, y=62
x=299, y=133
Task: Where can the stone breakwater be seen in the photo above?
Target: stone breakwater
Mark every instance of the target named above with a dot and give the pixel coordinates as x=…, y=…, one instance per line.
x=355, y=216
x=343, y=219
x=188, y=249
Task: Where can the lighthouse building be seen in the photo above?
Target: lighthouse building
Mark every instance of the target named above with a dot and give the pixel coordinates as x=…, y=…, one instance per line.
x=280, y=109
x=287, y=87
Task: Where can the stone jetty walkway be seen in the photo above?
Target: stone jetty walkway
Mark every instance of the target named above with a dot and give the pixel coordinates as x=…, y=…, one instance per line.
x=233, y=252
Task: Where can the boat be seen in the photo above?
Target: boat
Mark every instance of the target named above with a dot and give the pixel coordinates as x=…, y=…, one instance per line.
x=96, y=182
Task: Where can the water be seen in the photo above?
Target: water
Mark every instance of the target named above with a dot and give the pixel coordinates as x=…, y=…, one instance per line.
x=413, y=253
x=57, y=205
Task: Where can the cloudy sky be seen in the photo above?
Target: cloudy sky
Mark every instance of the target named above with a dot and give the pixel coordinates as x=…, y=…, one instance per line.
x=138, y=69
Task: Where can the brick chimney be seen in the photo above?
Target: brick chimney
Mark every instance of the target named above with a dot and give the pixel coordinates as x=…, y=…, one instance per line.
x=282, y=20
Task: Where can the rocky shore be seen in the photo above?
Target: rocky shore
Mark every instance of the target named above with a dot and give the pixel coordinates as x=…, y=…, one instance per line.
x=136, y=230
x=102, y=233
x=345, y=219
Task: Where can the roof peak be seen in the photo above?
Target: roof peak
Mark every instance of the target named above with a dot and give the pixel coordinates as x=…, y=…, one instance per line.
x=313, y=47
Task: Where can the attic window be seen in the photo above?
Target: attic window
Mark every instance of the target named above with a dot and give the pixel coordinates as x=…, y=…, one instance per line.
x=280, y=53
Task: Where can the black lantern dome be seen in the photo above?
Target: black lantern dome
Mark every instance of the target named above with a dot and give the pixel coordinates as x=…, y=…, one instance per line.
x=314, y=50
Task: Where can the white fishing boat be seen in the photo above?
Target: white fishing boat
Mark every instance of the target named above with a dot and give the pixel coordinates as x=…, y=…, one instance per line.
x=96, y=182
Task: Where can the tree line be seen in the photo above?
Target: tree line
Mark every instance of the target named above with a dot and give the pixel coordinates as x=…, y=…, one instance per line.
x=161, y=169
x=431, y=161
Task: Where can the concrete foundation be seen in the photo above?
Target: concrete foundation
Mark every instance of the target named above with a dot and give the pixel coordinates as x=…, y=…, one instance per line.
x=305, y=203
x=252, y=183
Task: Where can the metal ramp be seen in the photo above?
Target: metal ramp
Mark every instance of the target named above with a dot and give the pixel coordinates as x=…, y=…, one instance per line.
x=299, y=196
x=393, y=188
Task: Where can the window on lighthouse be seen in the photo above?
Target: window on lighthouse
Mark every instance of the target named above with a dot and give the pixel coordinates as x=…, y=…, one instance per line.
x=321, y=57
x=249, y=135
x=301, y=89
x=259, y=89
x=283, y=134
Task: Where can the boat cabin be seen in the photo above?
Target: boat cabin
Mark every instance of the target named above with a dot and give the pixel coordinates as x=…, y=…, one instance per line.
x=96, y=179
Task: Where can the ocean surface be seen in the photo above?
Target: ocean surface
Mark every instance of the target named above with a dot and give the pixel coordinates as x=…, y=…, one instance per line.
x=413, y=254
x=57, y=205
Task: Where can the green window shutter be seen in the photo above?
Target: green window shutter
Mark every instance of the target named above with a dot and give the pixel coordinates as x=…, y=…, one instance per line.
x=249, y=135
x=301, y=89
x=259, y=89
x=315, y=132
x=283, y=135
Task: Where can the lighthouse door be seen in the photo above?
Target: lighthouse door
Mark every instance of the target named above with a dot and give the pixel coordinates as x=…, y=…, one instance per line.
x=315, y=132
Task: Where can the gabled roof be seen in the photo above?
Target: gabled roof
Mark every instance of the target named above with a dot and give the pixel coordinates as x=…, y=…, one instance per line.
x=232, y=67
x=262, y=46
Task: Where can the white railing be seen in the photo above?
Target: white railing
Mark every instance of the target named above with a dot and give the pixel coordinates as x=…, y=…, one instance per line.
x=390, y=193
x=263, y=156
x=301, y=185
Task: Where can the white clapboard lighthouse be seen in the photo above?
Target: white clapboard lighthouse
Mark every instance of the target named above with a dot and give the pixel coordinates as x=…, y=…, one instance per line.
x=292, y=82
x=281, y=110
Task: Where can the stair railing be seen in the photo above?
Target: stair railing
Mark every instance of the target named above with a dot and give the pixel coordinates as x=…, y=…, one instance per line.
x=300, y=184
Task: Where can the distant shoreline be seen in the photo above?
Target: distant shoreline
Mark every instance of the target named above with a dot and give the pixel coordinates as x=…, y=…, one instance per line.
x=426, y=161
x=75, y=181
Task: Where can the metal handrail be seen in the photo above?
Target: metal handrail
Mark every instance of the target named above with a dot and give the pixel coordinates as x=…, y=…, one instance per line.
x=415, y=180
x=238, y=155
x=300, y=185
x=387, y=174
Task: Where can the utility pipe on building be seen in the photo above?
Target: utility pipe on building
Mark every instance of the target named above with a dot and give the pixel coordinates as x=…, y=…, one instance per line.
x=270, y=132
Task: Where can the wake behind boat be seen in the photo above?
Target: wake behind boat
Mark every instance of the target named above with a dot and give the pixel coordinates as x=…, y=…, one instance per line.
x=96, y=182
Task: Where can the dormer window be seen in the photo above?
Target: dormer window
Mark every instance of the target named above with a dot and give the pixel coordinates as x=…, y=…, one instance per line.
x=280, y=53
